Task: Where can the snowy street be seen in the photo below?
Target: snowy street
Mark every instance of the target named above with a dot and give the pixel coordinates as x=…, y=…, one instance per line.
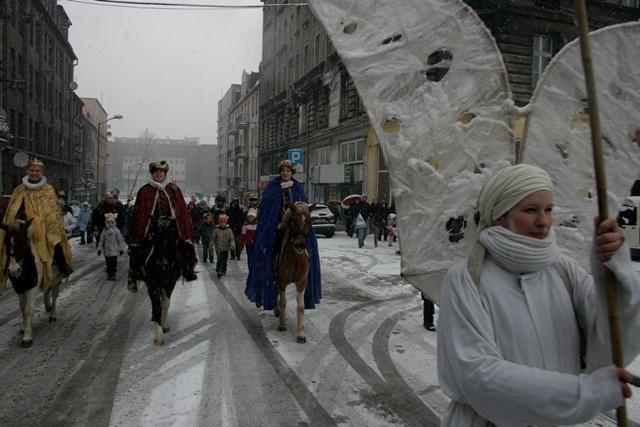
x=368, y=360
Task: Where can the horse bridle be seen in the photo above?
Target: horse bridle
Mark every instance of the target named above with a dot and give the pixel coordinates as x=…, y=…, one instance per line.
x=296, y=233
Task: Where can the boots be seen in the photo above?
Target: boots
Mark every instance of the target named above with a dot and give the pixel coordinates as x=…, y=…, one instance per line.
x=61, y=262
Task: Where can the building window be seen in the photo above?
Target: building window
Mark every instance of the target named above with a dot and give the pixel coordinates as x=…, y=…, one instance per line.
x=542, y=54
x=322, y=156
x=630, y=3
x=352, y=151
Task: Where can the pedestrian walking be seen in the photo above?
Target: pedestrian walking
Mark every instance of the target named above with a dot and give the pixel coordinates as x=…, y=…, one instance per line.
x=391, y=228
x=236, y=220
x=428, y=312
x=248, y=233
x=69, y=222
x=510, y=317
x=363, y=210
x=384, y=214
x=112, y=244
x=82, y=221
x=376, y=221
x=110, y=204
x=204, y=233
x=223, y=242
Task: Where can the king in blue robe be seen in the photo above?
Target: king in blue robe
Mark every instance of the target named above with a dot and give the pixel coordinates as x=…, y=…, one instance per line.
x=260, y=287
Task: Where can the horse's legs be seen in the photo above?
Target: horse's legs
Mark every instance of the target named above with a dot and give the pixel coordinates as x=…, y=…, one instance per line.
x=28, y=307
x=51, y=296
x=166, y=302
x=282, y=308
x=156, y=313
x=301, y=337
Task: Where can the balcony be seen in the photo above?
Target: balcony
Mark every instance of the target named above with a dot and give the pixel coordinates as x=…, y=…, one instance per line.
x=241, y=151
x=232, y=129
x=242, y=121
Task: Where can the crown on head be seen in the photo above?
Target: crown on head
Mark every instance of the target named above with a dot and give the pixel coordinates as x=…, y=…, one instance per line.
x=252, y=212
x=153, y=166
x=34, y=161
x=110, y=217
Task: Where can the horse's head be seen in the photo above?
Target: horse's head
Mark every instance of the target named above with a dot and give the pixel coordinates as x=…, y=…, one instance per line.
x=17, y=238
x=299, y=225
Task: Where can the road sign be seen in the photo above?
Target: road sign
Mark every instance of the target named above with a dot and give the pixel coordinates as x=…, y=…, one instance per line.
x=296, y=156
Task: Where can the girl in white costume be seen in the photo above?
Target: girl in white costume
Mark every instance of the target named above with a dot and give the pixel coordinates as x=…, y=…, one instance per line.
x=508, y=340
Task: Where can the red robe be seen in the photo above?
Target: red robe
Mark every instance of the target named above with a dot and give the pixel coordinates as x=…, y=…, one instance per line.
x=146, y=203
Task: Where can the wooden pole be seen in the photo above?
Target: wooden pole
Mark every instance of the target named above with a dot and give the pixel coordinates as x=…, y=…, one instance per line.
x=601, y=185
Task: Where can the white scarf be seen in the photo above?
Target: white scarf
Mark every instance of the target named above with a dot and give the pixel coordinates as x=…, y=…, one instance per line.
x=518, y=253
x=34, y=185
x=159, y=185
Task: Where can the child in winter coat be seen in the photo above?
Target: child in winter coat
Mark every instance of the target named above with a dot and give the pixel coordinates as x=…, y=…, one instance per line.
x=391, y=226
x=248, y=233
x=223, y=242
x=112, y=243
x=204, y=232
x=83, y=220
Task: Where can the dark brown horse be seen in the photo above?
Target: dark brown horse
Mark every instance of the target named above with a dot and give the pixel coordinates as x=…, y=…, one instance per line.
x=293, y=264
x=25, y=270
x=162, y=270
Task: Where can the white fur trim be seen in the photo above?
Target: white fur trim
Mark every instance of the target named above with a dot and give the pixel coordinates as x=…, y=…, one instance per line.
x=159, y=185
x=31, y=186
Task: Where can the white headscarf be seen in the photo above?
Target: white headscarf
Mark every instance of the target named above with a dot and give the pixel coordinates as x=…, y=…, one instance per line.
x=499, y=194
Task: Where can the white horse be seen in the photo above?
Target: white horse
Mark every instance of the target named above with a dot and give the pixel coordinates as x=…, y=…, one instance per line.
x=26, y=271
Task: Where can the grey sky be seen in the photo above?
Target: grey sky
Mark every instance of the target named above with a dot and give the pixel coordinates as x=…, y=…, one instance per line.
x=164, y=70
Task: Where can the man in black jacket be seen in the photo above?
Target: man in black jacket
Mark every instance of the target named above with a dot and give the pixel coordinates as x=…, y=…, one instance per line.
x=236, y=220
x=110, y=204
x=363, y=208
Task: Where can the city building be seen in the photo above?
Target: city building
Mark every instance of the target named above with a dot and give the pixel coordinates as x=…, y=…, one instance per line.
x=130, y=157
x=308, y=102
x=238, y=114
x=39, y=113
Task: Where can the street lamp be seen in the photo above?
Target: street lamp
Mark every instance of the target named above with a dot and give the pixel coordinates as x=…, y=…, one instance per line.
x=100, y=166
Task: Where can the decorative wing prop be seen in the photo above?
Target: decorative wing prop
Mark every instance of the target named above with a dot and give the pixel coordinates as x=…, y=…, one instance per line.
x=436, y=91
x=557, y=135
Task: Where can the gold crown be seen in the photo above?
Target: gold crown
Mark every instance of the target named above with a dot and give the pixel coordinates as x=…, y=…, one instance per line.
x=253, y=196
x=153, y=166
x=223, y=217
x=252, y=212
x=110, y=217
x=34, y=161
x=289, y=164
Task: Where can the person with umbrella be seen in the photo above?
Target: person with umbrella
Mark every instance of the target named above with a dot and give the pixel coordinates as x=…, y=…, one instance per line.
x=348, y=204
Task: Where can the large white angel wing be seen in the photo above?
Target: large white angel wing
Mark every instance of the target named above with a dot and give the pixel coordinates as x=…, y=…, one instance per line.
x=441, y=139
x=557, y=136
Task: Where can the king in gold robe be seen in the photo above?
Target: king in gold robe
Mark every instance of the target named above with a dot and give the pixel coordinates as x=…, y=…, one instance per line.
x=40, y=202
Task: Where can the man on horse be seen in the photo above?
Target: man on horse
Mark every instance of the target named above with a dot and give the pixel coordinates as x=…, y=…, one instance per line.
x=160, y=197
x=35, y=199
x=278, y=194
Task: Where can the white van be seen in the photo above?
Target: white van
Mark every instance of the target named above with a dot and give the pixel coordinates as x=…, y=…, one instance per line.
x=629, y=222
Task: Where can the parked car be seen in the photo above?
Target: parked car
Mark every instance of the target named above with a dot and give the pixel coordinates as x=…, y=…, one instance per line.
x=323, y=221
